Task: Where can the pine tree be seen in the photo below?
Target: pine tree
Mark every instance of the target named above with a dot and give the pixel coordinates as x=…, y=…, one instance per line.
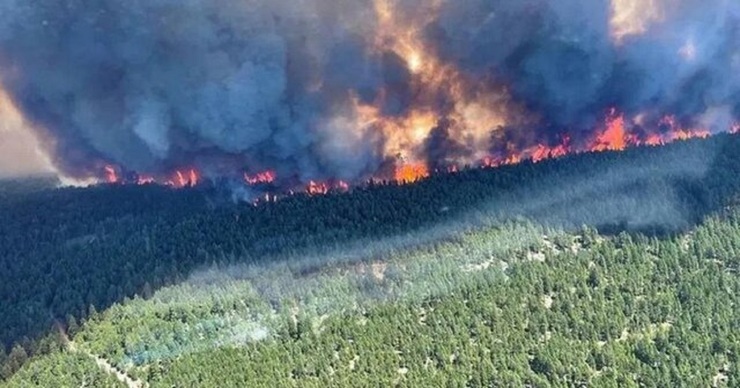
x=72, y=326
x=15, y=361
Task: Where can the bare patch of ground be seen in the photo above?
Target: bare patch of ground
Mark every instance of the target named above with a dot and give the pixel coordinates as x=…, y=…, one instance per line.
x=105, y=365
x=378, y=270
x=548, y=300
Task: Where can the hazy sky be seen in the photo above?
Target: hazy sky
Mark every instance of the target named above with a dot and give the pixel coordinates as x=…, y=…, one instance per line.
x=19, y=154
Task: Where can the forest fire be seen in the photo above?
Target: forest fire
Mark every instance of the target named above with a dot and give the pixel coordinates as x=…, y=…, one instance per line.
x=614, y=137
x=342, y=186
x=411, y=173
x=386, y=90
x=317, y=188
x=145, y=180
x=261, y=178
x=185, y=178
x=616, y=134
x=470, y=110
x=111, y=175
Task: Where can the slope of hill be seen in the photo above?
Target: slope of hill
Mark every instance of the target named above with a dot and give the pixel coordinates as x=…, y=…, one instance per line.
x=506, y=306
x=388, y=283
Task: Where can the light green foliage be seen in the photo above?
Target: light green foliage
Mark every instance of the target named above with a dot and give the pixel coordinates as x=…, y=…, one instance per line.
x=462, y=279
x=452, y=314
x=60, y=369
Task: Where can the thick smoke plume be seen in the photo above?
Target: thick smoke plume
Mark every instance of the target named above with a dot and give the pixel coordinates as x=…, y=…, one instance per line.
x=352, y=89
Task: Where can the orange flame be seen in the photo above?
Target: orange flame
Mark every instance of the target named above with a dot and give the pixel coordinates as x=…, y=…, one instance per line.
x=677, y=133
x=342, y=186
x=187, y=178
x=181, y=182
x=542, y=152
x=617, y=133
x=475, y=108
x=145, y=180
x=653, y=140
x=614, y=138
x=317, y=188
x=111, y=174
x=411, y=173
x=261, y=178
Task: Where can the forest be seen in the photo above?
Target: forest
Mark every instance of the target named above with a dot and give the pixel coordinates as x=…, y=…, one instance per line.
x=605, y=269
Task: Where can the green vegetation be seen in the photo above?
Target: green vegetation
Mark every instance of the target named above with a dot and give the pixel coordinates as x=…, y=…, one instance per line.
x=505, y=306
x=435, y=284
x=63, y=370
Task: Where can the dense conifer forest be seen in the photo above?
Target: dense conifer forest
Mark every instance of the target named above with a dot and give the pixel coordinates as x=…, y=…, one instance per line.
x=603, y=269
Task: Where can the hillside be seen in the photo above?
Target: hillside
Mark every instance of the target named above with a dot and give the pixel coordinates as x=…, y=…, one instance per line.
x=504, y=306
x=478, y=277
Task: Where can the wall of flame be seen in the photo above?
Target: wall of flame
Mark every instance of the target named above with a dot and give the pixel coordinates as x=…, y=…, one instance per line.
x=322, y=94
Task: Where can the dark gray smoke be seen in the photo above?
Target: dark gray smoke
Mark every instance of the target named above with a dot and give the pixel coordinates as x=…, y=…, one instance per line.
x=560, y=58
x=147, y=83
x=245, y=85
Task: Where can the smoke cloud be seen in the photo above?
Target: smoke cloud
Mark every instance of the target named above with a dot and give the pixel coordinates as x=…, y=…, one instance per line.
x=20, y=153
x=330, y=89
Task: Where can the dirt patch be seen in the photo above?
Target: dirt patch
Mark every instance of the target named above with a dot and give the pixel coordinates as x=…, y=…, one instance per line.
x=536, y=256
x=353, y=362
x=548, y=301
x=722, y=377
x=378, y=269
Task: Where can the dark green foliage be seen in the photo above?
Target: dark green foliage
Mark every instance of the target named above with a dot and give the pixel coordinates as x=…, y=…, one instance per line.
x=67, y=254
x=448, y=321
x=15, y=360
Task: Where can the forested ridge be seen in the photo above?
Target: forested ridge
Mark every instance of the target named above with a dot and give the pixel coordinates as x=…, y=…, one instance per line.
x=186, y=288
